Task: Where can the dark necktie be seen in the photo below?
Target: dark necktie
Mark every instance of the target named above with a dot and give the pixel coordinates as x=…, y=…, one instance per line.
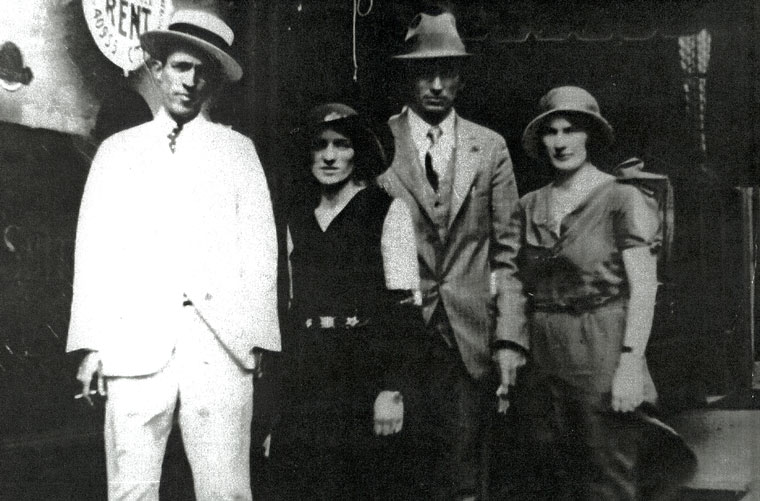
x=173, y=137
x=434, y=134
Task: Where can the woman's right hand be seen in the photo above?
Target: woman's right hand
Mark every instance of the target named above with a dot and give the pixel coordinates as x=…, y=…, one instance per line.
x=388, y=413
x=628, y=383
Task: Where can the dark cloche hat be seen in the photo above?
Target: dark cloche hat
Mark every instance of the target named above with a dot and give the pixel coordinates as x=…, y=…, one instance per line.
x=345, y=120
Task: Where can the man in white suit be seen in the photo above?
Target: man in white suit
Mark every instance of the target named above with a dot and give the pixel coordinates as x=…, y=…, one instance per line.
x=174, y=282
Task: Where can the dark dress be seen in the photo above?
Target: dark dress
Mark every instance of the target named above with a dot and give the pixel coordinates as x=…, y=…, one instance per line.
x=332, y=375
x=575, y=280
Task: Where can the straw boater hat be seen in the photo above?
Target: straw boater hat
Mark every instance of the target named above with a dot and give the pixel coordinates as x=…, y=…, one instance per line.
x=566, y=99
x=201, y=29
x=431, y=36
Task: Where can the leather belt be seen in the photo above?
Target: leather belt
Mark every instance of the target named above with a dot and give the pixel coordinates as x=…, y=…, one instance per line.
x=579, y=305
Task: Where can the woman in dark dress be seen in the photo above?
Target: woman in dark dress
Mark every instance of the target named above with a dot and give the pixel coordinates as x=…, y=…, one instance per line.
x=354, y=286
x=588, y=246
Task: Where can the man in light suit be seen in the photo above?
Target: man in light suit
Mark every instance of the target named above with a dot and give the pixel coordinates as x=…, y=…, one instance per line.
x=174, y=279
x=456, y=177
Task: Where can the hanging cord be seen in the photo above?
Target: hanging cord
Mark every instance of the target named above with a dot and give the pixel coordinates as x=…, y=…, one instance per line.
x=358, y=12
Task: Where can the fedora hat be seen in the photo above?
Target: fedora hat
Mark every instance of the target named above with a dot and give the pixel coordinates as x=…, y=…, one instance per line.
x=13, y=73
x=201, y=29
x=432, y=35
x=567, y=99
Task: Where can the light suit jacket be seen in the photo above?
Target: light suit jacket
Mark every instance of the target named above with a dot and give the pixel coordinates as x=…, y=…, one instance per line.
x=461, y=271
x=156, y=228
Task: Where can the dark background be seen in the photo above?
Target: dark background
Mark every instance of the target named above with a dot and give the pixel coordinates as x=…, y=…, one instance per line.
x=625, y=52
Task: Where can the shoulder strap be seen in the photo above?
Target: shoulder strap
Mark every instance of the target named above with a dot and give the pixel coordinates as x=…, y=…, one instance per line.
x=657, y=186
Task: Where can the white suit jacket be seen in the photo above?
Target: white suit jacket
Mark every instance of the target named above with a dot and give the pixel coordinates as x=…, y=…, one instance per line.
x=156, y=227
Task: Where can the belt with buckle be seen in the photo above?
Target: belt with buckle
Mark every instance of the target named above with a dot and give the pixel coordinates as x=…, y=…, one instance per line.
x=332, y=322
x=577, y=305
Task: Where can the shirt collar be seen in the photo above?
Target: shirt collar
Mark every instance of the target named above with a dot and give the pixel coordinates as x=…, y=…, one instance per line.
x=419, y=128
x=166, y=122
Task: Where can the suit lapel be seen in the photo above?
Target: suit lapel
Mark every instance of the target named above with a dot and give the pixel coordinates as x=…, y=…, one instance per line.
x=467, y=155
x=407, y=166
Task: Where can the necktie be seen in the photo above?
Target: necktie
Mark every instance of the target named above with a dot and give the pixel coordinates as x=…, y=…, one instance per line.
x=434, y=134
x=173, y=137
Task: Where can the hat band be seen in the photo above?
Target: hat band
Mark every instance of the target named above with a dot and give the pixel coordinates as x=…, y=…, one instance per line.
x=202, y=33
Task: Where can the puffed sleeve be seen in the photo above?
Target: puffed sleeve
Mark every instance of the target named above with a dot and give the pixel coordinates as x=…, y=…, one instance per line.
x=399, y=249
x=637, y=221
x=402, y=323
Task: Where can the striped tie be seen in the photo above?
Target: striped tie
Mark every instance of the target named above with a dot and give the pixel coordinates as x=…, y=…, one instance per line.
x=434, y=134
x=173, y=137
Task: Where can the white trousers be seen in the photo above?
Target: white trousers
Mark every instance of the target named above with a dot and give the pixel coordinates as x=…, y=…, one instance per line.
x=214, y=397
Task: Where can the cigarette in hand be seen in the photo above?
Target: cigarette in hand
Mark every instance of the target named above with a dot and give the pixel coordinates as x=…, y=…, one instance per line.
x=85, y=395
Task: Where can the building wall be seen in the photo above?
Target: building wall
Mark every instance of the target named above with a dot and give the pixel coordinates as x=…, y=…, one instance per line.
x=57, y=98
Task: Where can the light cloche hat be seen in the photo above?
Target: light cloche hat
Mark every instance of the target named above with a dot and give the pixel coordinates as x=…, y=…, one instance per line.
x=565, y=99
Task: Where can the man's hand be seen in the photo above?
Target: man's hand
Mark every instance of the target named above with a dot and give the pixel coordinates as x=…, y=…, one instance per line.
x=417, y=297
x=91, y=368
x=628, y=383
x=509, y=361
x=389, y=413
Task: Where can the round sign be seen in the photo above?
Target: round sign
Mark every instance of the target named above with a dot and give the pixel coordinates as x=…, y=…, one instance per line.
x=116, y=26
